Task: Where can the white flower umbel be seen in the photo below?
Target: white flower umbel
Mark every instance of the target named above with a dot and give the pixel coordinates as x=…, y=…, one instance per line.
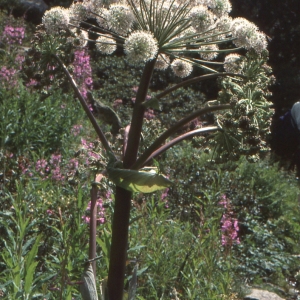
x=55, y=19
x=78, y=12
x=140, y=46
x=211, y=54
x=259, y=42
x=162, y=62
x=102, y=17
x=233, y=63
x=224, y=23
x=106, y=45
x=120, y=18
x=181, y=68
x=79, y=37
x=220, y=7
x=246, y=34
x=202, y=19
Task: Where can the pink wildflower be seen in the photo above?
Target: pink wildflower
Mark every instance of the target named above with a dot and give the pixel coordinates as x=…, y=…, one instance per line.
x=100, y=212
x=229, y=225
x=82, y=71
x=13, y=35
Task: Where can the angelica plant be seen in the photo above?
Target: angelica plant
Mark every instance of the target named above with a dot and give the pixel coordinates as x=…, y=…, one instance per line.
x=154, y=34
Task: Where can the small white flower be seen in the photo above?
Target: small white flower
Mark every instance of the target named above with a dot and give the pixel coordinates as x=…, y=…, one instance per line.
x=120, y=18
x=224, y=23
x=181, y=68
x=188, y=32
x=106, y=45
x=102, y=17
x=56, y=18
x=233, y=63
x=259, y=42
x=220, y=7
x=212, y=54
x=162, y=62
x=140, y=46
x=201, y=18
x=245, y=33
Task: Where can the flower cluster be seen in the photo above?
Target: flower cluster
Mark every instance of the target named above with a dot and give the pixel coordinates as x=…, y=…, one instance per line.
x=162, y=30
x=141, y=46
x=247, y=35
x=54, y=170
x=164, y=196
x=229, y=225
x=82, y=71
x=8, y=75
x=79, y=37
x=233, y=63
x=106, y=44
x=13, y=35
x=76, y=129
x=181, y=68
x=120, y=18
x=100, y=212
x=55, y=19
x=90, y=154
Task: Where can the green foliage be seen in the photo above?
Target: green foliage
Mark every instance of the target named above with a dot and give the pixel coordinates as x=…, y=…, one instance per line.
x=268, y=211
x=31, y=123
x=264, y=201
x=44, y=242
x=19, y=249
x=174, y=254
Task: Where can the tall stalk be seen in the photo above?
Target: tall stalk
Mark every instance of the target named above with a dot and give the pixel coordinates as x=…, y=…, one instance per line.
x=120, y=223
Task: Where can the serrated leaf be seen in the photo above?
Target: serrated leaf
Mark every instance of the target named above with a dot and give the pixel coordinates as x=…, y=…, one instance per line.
x=138, y=181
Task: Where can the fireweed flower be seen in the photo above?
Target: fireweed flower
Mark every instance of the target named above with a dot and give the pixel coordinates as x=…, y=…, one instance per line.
x=56, y=18
x=13, y=35
x=8, y=75
x=82, y=71
x=233, y=63
x=229, y=225
x=100, y=212
x=181, y=68
x=230, y=229
x=140, y=46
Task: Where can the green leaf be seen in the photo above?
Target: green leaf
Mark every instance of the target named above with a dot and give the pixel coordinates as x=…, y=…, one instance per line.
x=138, y=181
x=29, y=277
x=88, y=288
x=153, y=103
x=32, y=254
